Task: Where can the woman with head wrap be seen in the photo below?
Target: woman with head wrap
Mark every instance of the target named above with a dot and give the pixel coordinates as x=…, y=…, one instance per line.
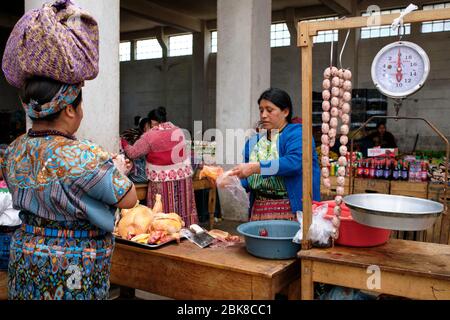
x=66, y=189
x=168, y=166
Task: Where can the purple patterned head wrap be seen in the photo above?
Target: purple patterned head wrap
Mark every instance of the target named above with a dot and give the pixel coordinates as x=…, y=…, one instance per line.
x=64, y=98
x=58, y=41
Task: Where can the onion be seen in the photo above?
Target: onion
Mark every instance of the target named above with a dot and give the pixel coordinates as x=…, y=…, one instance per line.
x=326, y=106
x=336, y=222
x=340, y=73
x=335, y=82
x=326, y=95
x=340, y=191
x=326, y=84
x=337, y=211
x=325, y=139
x=335, y=102
x=325, y=117
x=344, y=129
x=327, y=73
x=325, y=161
x=324, y=149
x=334, y=112
x=332, y=142
x=338, y=200
x=347, y=85
x=335, y=92
x=342, y=161
x=346, y=108
x=333, y=123
x=325, y=128
x=347, y=97
x=325, y=172
x=341, y=173
x=340, y=181
x=327, y=182
x=345, y=118
x=344, y=140
x=343, y=150
x=332, y=133
x=334, y=71
x=347, y=75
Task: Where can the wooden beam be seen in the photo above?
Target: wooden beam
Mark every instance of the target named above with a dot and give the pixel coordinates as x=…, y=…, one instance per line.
x=307, y=137
x=148, y=33
x=340, y=7
x=360, y=22
x=300, y=13
x=157, y=13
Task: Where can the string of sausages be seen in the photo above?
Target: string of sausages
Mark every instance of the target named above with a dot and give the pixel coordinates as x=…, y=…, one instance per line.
x=336, y=105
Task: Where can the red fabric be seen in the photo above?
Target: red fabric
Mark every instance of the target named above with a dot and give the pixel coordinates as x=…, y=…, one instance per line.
x=297, y=120
x=162, y=145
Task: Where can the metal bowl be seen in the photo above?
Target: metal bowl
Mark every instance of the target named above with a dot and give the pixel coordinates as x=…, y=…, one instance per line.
x=393, y=212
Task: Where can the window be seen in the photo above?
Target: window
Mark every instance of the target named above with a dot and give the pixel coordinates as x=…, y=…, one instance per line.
x=438, y=25
x=325, y=36
x=180, y=45
x=279, y=35
x=125, y=51
x=214, y=41
x=148, y=49
x=384, y=31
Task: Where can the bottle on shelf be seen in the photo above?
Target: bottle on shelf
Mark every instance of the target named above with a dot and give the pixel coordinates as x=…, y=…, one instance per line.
x=366, y=169
x=360, y=170
x=379, y=170
x=387, y=174
x=405, y=171
x=424, y=172
x=372, y=169
x=396, y=172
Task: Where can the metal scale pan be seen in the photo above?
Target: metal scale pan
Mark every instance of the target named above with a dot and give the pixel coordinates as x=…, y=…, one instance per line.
x=393, y=212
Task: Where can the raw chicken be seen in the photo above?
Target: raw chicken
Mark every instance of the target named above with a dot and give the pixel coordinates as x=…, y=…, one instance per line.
x=135, y=221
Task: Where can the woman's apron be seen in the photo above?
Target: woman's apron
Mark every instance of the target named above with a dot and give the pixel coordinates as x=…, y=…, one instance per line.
x=59, y=261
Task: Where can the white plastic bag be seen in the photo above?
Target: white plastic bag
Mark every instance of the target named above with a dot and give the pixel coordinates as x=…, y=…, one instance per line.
x=233, y=197
x=9, y=217
x=320, y=230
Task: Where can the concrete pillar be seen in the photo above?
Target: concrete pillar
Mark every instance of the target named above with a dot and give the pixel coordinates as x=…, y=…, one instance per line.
x=243, y=62
x=201, y=51
x=101, y=97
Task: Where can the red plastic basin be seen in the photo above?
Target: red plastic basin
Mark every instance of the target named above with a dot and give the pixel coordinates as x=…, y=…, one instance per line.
x=354, y=234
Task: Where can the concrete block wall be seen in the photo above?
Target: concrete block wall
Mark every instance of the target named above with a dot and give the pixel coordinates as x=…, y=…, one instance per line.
x=142, y=88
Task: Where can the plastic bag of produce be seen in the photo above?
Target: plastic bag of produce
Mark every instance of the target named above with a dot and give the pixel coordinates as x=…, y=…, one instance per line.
x=233, y=197
x=320, y=230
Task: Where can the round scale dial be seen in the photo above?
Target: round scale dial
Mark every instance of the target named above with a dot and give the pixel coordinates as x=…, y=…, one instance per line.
x=400, y=69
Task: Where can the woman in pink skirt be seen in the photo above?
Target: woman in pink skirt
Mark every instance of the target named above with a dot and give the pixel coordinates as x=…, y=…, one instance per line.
x=168, y=167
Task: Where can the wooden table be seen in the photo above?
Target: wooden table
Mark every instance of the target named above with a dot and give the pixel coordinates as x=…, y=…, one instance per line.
x=415, y=270
x=199, y=184
x=185, y=271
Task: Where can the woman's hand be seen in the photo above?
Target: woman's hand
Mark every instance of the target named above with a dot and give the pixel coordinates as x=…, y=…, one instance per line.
x=246, y=170
x=122, y=164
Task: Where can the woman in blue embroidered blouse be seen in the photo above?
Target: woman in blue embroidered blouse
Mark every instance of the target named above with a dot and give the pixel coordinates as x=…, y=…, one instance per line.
x=66, y=189
x=272, y=168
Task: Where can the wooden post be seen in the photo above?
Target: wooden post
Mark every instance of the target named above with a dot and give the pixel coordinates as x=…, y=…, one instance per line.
x=306, y=49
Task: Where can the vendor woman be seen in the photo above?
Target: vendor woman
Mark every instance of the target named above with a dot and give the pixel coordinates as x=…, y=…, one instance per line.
x=66, y=189
x=272, y=171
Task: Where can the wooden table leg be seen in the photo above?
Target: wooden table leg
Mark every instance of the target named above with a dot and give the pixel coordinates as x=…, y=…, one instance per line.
x=212, y=206
x=307, y=286
x=294, y=291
